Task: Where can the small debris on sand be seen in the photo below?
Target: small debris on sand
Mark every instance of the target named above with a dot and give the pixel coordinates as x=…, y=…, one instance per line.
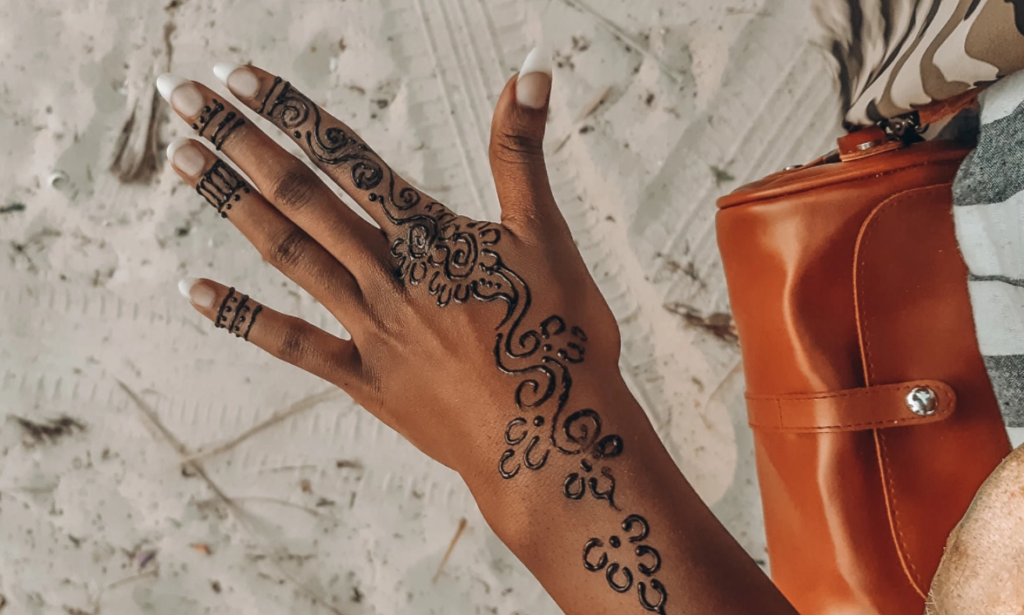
x=719, y=324
x=49, y=431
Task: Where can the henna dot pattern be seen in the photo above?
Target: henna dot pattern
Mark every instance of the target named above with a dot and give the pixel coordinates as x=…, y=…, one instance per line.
x=221, y=187
x=615, y=560
x=226, y=124
x=237, y=314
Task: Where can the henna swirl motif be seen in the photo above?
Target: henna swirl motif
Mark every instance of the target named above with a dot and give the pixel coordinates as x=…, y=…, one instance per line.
x=221, y=186
x=237, y=315
x=457, y=260
x=651, y=593
x=291, y=110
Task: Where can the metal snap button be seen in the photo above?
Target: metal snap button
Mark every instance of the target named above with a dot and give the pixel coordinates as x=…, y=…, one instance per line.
x=922, y=401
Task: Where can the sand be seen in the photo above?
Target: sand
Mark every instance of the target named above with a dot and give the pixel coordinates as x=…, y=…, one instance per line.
x=108, y=378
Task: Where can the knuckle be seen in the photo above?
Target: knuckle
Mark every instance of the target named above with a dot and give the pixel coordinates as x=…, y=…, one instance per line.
x=515, y=147
x=294, y=344
x=295, y=187
x=289, y=248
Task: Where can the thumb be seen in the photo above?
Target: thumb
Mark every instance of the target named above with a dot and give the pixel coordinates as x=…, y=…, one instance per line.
x=517, y=147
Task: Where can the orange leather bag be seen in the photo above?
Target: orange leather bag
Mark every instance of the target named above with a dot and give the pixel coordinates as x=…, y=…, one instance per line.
x=874, y=420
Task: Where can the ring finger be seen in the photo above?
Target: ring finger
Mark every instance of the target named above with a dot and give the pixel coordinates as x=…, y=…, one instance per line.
x=280, y=241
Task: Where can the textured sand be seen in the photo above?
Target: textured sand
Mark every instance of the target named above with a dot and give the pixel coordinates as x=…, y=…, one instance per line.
x=332, y=511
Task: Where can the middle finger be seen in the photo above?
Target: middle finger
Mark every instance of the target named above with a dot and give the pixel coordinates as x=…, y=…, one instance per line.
x=281, y=243
x=334, y=147
x=287, y=182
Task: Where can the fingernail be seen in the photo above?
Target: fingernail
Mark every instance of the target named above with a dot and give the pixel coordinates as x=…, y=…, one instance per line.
x=534, y=83
x=184, y=155
x=198, y=293
x=181, y=93
x=240, y=79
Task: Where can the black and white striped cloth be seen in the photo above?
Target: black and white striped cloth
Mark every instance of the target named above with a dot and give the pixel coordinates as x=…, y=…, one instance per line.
x=988, y=199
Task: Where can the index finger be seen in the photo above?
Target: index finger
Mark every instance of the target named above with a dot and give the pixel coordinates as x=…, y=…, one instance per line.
x=332, y=146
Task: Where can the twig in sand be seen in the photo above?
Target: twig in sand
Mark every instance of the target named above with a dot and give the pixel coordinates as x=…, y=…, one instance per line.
x=735, y=369
x=594, y=104
x=303, y=404
x=451, y=547
x=628, y=39
x=135, y=577
x=153, y=420
x=278, y=501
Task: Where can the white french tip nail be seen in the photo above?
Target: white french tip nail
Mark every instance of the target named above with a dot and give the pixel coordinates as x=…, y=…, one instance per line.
x=175, y=146
x=533, y=86
x=223, y=70
x=189, y=160
x=185, y=287
x=201, y=295
x=240, y=79
x=537, y=61
x=167, y=83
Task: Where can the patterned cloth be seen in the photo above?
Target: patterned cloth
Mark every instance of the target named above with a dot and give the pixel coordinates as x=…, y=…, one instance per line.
x=896, y=55
x=988, y=199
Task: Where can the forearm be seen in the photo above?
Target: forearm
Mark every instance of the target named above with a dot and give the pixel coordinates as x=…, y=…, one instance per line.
x=694, y=565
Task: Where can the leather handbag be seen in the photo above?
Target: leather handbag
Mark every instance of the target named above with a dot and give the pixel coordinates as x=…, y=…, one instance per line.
x=873, y=417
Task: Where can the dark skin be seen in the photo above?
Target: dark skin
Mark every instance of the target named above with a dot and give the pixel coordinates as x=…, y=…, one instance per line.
x=486, y=345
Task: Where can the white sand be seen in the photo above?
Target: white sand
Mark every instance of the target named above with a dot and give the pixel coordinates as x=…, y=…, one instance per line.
x=102, y=520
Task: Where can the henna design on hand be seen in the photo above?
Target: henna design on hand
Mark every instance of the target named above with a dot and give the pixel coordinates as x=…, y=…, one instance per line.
x=457, y=260
x=221, y=186
x=333, y=146
x=236, y=315
x=228, y=124
x=651, y=593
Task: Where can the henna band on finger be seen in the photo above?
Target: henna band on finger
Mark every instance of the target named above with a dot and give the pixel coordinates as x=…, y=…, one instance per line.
x=242, y=315
x=221, y=186
x=228, y=124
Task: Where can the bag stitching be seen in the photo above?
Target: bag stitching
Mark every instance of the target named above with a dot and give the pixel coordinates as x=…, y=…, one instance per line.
x=945, y=402
x=885, y=387
x=880, y=436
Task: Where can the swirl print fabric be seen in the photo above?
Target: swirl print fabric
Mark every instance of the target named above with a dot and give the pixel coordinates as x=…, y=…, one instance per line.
x=897, y=55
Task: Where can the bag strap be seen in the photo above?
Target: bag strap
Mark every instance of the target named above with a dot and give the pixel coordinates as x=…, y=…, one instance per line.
x=878, y=407
x=900, y=131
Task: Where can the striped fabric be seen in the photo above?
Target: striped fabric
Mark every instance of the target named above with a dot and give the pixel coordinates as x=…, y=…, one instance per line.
x=988, y=199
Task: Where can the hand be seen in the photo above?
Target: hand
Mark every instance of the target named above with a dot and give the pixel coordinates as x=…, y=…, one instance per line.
x=487, y=345
x=454, y=322
x=980, y=573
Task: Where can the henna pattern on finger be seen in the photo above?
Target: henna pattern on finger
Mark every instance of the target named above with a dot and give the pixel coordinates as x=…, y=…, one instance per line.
x=237, y=315
x=598, y=556
x=457, y=260
x=221, y=186
x=290, y=111
x=226, y=125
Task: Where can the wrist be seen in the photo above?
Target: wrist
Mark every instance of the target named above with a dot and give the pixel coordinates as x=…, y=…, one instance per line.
x=601, y=440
